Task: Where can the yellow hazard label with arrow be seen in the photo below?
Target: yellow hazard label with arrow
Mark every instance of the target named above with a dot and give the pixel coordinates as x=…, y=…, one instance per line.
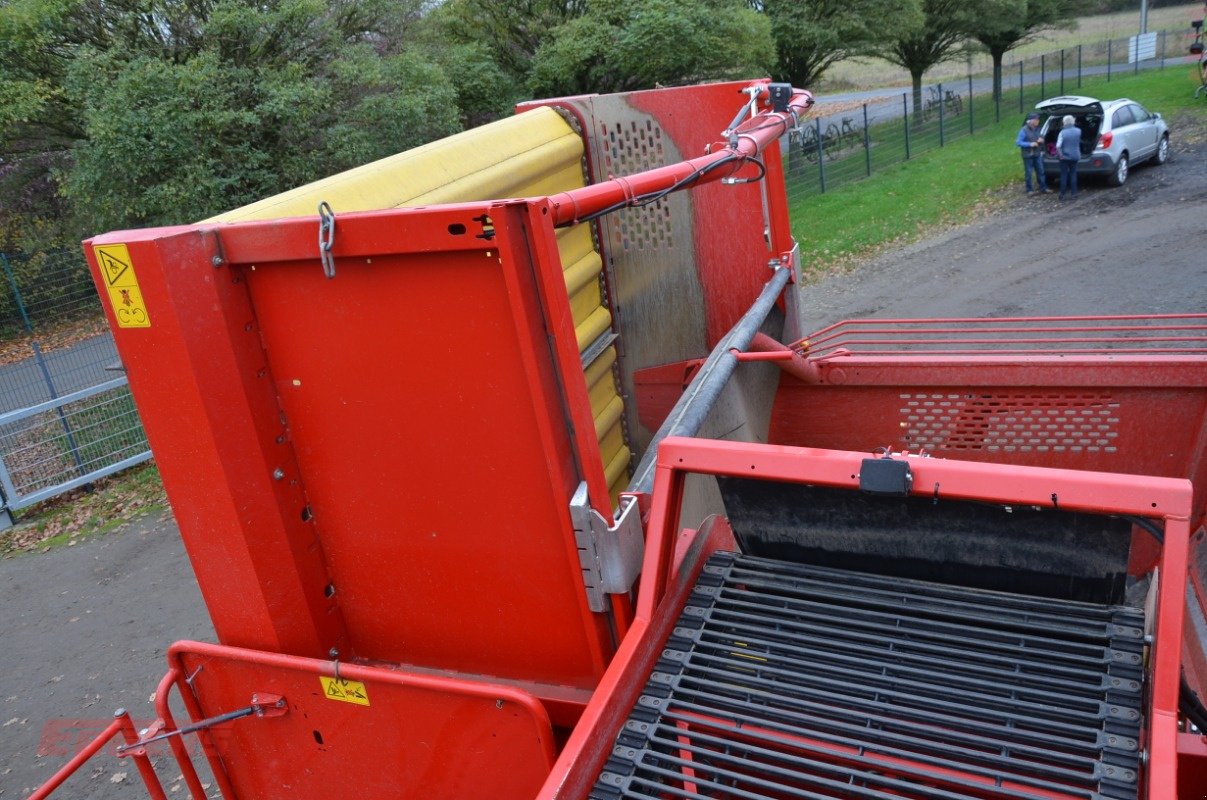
x=122, y=284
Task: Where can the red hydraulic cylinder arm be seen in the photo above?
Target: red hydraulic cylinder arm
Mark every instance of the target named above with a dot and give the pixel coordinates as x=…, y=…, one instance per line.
x=745, y=142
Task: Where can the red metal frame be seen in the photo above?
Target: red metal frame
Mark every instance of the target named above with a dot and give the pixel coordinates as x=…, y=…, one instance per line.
x=438, y=735
x=664, y=577
x=123, y=725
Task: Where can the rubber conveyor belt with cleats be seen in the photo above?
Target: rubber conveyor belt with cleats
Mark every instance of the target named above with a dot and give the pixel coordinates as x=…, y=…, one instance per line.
x=782, y=680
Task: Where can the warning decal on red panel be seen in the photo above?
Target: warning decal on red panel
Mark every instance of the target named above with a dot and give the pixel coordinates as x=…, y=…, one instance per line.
x=122, y=284
x=345, y=691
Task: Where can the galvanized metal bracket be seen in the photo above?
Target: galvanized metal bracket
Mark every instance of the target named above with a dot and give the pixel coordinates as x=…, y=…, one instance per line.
x=610, y=555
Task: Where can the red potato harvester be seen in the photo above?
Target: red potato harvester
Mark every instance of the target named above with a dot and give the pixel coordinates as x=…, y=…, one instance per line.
x=551, y=497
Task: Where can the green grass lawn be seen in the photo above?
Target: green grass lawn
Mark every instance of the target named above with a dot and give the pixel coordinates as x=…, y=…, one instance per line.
x=952, y=184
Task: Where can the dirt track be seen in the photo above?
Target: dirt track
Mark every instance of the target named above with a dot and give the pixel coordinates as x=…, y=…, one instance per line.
x=84, y=628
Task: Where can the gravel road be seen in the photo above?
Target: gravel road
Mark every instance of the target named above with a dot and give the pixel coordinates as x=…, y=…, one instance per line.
x=84, y=628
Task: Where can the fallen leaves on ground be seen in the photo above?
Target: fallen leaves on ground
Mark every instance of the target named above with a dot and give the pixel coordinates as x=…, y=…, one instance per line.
x=111, y=504
x=51, y=337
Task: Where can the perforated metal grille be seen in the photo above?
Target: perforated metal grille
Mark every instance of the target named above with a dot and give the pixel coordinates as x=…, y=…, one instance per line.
x=1009, y=423
x=635, y=147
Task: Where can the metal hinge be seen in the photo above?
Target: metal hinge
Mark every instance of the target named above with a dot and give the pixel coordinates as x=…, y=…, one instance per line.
x=610, y=556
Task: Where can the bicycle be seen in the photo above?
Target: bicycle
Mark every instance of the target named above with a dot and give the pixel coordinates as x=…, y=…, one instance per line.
x=808, y=143
x=850, y=133
x=832, y=141
x=951, y=102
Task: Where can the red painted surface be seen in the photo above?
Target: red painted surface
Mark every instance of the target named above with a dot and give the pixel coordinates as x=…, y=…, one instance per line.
x=1192, y=767
x=379, y=465
x=1146, y=417
x=416, y=413
x=658, y=389
x=439, y=737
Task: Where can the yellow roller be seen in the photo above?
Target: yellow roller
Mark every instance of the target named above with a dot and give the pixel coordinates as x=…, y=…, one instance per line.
x=529, y=155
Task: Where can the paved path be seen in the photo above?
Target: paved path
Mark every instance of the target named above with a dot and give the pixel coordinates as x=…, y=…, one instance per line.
x=83, y=364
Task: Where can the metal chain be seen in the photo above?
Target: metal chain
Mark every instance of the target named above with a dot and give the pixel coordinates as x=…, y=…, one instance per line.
x=326, y=238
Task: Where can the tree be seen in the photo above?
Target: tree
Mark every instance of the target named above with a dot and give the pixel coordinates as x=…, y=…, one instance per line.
x=621, y=45
x=946, y=26
x=811, y=35
x=1003, y=25
x=511, y=32
x=163, y=111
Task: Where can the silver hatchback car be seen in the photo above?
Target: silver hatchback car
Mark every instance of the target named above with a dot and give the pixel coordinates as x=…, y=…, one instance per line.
x=1115, y=134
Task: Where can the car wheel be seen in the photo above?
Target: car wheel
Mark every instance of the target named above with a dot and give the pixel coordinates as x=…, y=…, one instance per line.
x=1119, y=176
x=1163, y=149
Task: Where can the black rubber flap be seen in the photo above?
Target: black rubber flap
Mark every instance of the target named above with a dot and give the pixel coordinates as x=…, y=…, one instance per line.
x=1045, y=552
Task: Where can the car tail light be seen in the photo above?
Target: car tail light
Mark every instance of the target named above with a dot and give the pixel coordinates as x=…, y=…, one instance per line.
x=1104, y=141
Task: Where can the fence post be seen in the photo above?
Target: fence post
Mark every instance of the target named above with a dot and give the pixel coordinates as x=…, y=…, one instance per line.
x=867, y=143
x=1020, y=87
x=1109, y=42
x=75, y=450
x=821, y=156
x=1043, y=76
x=1078, y=66
x=941, y=104
x=1162, y=49
x=12, y=281
x=1062, y=70
x=905, y=108
x=971, y=106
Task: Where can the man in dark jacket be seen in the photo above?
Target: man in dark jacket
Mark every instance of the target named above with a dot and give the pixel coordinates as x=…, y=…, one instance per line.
x=1031, y=146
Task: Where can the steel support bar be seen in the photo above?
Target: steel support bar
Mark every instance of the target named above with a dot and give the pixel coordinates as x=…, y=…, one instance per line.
x=745, y=143
x=692, y=408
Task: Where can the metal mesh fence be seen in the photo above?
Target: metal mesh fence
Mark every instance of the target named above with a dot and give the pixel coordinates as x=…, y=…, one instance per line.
x=45, y=288
x=831, y=150
x=53, y=447
x=66, y=415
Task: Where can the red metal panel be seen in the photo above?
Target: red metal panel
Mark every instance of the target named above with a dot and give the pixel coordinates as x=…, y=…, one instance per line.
x=1036, y=418
x=403, y=426
x=213, y=420
x=1192, y=767
x=429, y=426
x=409, y=736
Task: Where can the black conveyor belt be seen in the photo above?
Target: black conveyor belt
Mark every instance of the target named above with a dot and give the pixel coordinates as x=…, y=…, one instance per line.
x=782, y=680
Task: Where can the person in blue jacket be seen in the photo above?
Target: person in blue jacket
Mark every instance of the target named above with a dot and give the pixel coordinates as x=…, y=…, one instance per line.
x=1068, y=149
x=1031, y=146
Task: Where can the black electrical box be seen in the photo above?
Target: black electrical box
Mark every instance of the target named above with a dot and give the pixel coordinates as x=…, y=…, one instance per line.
x=885, y=476
x=781, y=93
